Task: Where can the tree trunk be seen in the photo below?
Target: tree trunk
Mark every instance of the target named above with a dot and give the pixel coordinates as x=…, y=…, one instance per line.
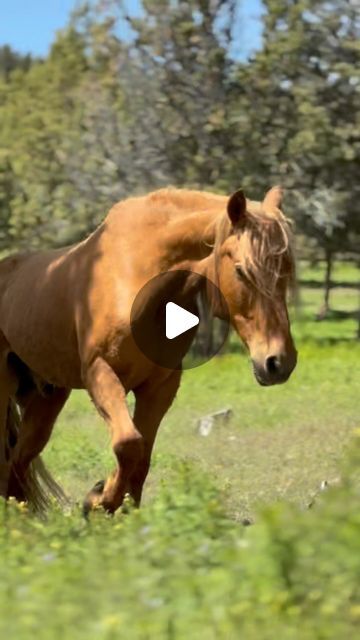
x=358, y=318
x=327, y=285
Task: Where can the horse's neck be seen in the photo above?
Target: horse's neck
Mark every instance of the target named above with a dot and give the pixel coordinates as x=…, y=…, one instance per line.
x=183, y=228
x=187, y=241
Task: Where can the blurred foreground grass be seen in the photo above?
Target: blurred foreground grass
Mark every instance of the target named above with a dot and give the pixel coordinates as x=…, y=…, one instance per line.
x=184, y=566
x=181, y=568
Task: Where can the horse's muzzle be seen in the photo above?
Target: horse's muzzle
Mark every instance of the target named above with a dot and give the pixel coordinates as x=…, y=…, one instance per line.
x=276, y=369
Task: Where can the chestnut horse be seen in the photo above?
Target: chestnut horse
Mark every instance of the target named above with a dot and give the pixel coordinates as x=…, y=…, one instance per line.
x=65, y=324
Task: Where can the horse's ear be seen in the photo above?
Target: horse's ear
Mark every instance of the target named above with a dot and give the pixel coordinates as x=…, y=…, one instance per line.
x=236, y=208
x=273, y=198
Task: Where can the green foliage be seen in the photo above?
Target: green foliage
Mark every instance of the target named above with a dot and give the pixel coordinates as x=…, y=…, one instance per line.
x=182, y=55
x=39, y=117
x=305, y=85
x=11, y=60
x=182, y=568
x=57, y=130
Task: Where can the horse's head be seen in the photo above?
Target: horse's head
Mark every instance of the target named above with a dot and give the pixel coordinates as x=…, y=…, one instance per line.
x=254, y=266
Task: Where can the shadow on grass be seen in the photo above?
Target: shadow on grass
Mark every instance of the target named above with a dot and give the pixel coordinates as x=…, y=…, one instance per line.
x=327, y=341
x=336, y=315
x=318, y=284
x=305, y=338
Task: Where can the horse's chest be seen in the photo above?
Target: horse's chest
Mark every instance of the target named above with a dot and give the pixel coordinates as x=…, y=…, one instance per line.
x=135, y=358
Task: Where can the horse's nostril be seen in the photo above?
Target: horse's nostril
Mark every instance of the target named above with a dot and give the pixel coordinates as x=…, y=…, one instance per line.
x=272, y=365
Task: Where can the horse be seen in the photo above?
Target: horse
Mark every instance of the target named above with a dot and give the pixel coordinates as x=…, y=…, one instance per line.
x=65, y=324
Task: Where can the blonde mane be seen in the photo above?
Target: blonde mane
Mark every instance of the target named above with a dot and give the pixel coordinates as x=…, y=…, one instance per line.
x=267, y=252
x=267, y=248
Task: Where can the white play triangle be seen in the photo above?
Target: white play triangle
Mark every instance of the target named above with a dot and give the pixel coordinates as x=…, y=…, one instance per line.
x=178, y=320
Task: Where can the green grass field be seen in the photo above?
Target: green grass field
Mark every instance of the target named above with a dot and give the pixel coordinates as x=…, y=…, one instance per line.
x=185, y=566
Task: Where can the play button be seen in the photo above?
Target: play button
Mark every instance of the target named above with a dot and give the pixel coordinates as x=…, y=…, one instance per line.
x=178, y=320
x=172, y=320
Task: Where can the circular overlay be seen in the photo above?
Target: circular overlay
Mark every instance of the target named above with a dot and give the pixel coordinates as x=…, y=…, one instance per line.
x=173, y=322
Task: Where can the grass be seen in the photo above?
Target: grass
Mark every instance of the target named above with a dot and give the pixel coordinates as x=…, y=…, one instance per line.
x=185, y=566
x=346, y=272
x=270, y=434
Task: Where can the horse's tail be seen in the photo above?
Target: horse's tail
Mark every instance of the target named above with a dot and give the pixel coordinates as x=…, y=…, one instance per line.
x=36, y=486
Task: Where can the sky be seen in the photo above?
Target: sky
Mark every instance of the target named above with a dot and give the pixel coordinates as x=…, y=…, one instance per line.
x=29, y=26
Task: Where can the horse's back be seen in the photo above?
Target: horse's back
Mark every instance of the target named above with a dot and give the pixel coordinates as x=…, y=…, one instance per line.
x=25, y=271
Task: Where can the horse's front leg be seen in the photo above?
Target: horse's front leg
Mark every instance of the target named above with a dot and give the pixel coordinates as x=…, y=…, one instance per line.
x=153, y=399
x=109, y=397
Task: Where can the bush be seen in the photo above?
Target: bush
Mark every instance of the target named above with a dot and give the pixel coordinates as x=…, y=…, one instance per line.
x=181, y=568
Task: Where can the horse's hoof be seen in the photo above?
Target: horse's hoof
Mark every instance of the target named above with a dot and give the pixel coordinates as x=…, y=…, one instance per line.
x=92, y=499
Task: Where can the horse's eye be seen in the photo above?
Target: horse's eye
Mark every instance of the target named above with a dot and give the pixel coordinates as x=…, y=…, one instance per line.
x=240, y=272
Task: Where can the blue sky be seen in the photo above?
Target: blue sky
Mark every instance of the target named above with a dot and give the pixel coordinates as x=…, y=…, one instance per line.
x=30, y=25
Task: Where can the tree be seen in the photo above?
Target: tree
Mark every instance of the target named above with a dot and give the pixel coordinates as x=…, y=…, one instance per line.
x=175, y=79
x=11, y=60
x=38, y=116
x=301, y=98
x=327, y=220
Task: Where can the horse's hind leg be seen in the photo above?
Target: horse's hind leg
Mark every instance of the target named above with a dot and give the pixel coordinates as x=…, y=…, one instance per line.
x=109, y=397
x=39, y=414
x=8, y=386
